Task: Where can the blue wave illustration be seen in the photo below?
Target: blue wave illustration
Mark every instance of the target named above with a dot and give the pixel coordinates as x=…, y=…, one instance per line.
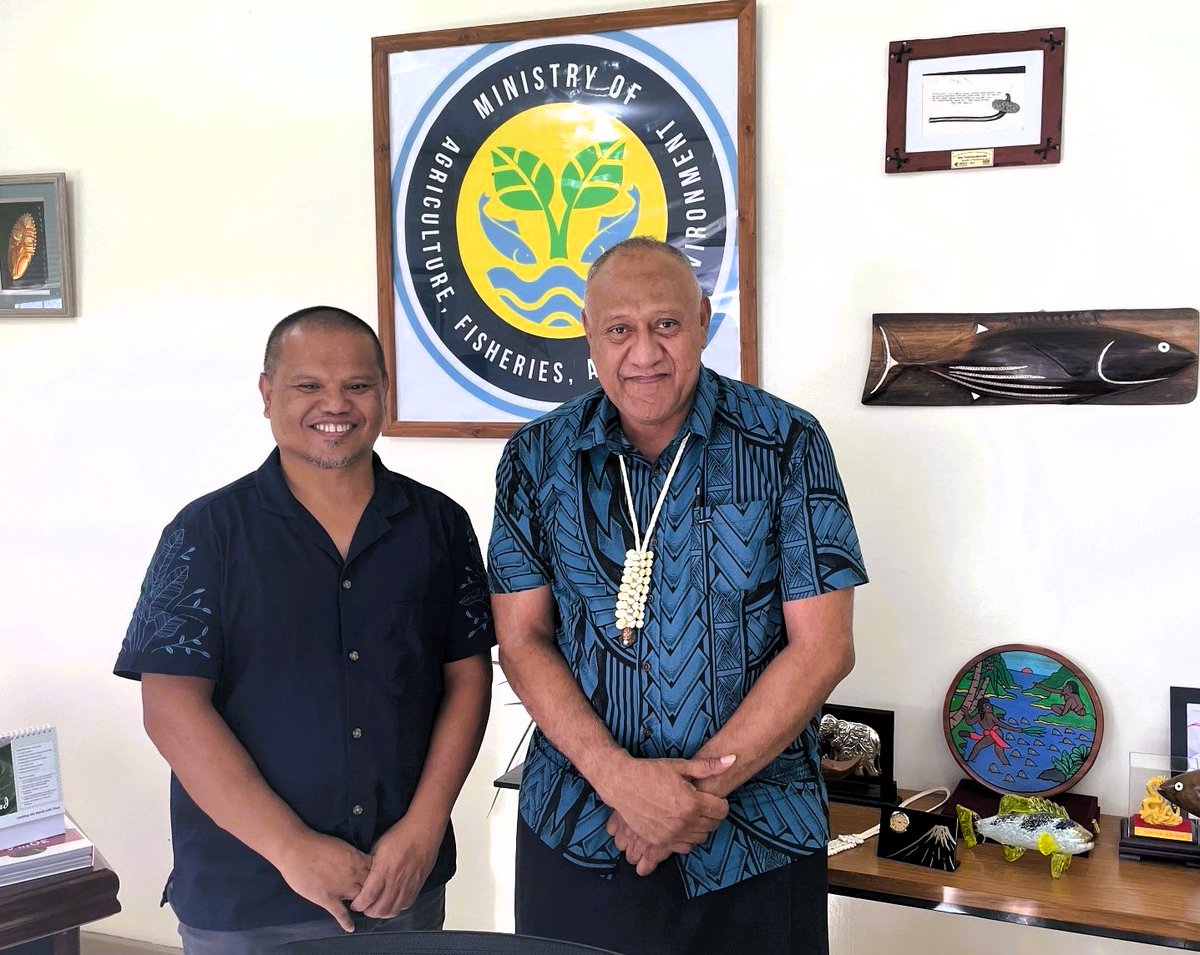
x=613, y=229
x=714, y=323
x=550, y=313
x=557, y=278
x=504, y=236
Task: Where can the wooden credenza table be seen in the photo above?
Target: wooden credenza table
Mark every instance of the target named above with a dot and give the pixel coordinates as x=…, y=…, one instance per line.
x=55, y=907
x=1151, y=902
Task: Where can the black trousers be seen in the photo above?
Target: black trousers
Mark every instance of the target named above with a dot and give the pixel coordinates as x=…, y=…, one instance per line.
x=782, y=912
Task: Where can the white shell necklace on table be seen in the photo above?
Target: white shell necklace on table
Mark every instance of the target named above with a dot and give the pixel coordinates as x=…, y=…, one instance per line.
x=635, y=577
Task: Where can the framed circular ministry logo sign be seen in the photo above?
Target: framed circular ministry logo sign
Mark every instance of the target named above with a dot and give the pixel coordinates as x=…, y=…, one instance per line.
x=508, y=158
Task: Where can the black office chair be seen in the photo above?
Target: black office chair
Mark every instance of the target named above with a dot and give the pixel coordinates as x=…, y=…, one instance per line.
x=440, y=943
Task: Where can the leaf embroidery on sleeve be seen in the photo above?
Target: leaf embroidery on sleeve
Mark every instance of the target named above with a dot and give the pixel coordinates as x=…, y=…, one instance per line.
x=166, y=618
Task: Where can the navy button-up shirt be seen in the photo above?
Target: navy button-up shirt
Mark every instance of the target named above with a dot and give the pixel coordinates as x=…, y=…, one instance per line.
x=755, y=515
x=329, y=672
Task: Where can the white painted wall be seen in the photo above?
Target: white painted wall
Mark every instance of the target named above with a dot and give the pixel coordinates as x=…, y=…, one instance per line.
x=219, y=156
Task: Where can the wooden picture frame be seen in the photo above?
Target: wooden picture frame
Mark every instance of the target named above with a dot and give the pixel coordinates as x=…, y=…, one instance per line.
x=35, y=247
x=508, y=156
x=991, y=99
x=1185, y=713
x=1042, y=727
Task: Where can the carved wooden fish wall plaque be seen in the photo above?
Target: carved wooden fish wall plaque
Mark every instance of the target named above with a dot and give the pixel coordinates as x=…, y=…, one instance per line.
x=1110, y=356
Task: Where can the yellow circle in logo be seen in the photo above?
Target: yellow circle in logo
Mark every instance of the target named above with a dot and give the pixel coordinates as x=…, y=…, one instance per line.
x=545, y=194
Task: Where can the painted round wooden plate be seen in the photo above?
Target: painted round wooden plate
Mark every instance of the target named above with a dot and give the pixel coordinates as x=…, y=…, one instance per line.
x=1023, y=719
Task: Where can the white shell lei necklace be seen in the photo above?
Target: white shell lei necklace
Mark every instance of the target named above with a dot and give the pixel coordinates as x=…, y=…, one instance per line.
x=635, y=577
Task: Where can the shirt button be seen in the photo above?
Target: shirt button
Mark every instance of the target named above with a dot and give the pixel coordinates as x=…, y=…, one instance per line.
x=346, y=585
x=356, y=733
x=645, y=667
x=357, y=810
x=645, y=732
x=353, y=655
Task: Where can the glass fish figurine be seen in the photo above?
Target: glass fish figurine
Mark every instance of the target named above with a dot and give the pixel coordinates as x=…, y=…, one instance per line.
x=1027, y=822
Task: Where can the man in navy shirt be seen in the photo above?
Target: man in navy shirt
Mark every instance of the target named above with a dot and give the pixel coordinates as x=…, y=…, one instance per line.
x=312, y=643
x=672, y=566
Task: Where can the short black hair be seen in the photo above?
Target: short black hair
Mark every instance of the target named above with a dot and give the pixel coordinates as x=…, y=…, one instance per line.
x=643, y=243
x=320, y=316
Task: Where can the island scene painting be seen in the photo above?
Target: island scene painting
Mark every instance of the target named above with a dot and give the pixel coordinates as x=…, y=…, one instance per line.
x=1022, y=719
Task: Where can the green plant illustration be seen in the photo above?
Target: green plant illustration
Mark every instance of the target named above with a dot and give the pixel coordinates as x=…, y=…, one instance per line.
x=1067, y=764
x=591, y=179
x=989, y=677
x=523, y=181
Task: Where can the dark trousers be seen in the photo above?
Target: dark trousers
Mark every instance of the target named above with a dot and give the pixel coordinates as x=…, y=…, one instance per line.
x=782, y=912
x=427, y=914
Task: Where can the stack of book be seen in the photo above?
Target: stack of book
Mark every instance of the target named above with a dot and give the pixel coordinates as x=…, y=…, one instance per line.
x=50, y=856
x=37, y=838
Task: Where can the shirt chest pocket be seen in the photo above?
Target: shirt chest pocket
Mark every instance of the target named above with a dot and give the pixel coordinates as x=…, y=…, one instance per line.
x=736, y=546
x=413, y=636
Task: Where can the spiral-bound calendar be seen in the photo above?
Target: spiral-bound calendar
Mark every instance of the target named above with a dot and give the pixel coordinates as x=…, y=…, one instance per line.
x=31, y=804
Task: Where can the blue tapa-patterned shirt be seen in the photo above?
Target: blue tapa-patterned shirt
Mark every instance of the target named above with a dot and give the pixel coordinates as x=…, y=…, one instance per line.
x=756, y=515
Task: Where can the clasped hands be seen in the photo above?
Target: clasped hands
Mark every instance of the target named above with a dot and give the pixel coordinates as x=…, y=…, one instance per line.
x=658, y=810
x=330, y=872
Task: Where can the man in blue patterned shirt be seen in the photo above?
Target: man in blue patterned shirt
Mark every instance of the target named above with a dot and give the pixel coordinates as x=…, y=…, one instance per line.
x=672, y=566
x=313, y=648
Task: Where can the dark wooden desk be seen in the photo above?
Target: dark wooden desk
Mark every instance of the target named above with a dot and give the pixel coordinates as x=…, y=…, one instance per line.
x=57, y=905
x=1151, y=902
